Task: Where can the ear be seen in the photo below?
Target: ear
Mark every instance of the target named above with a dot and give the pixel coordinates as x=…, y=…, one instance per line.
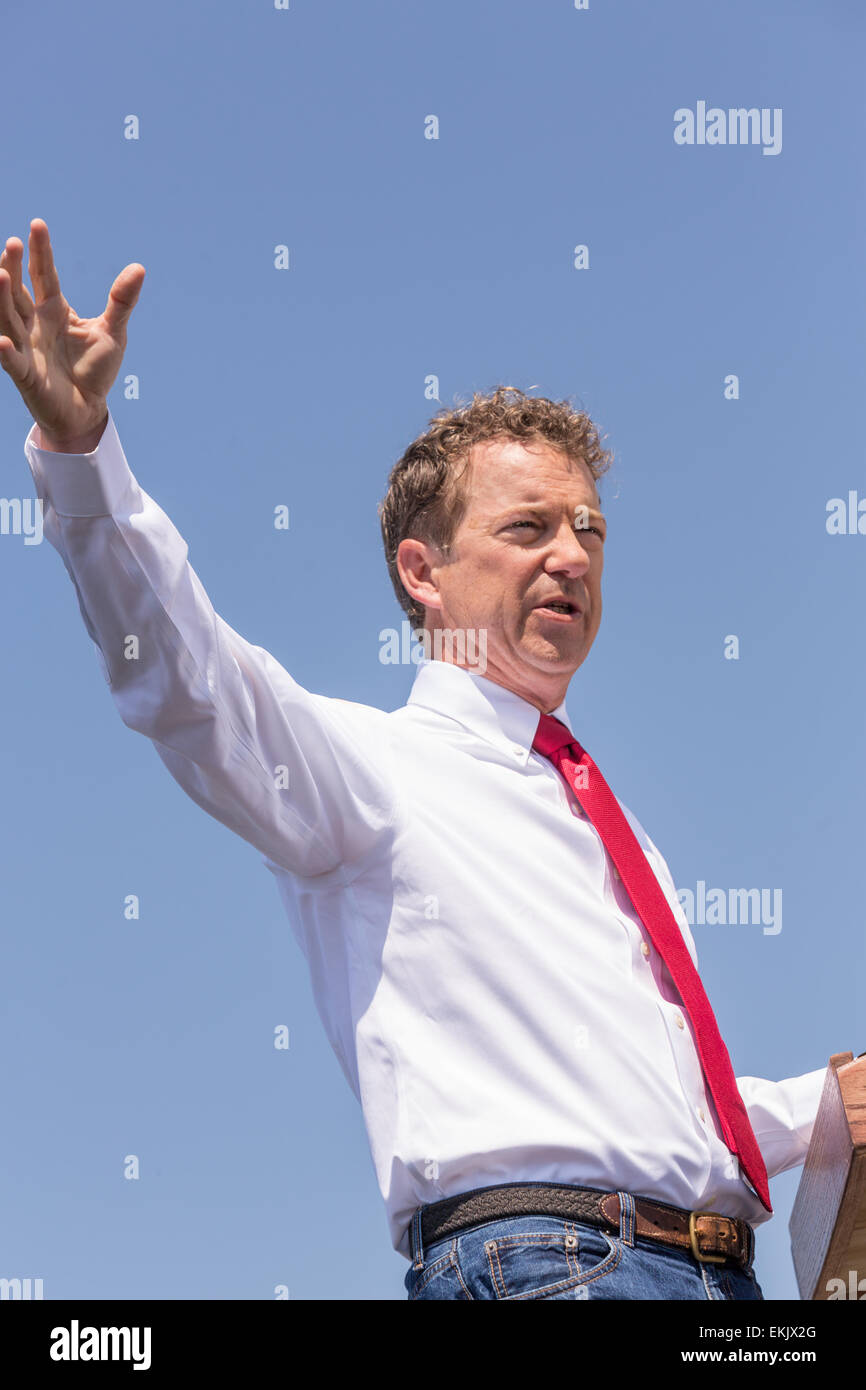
x=416, y=563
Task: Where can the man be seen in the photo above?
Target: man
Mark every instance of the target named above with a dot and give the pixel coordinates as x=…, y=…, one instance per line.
x=495, y=945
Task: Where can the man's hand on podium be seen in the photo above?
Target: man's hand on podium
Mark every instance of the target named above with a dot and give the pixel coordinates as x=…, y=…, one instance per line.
x=63, y=365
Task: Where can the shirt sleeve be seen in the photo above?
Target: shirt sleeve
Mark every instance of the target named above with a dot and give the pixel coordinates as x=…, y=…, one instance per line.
x=782, y=1114
x=278, y=765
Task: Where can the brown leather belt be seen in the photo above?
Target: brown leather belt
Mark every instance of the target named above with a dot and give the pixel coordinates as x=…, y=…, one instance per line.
x=707, y=1235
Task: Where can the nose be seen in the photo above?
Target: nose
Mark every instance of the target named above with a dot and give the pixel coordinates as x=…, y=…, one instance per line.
x=567, y=555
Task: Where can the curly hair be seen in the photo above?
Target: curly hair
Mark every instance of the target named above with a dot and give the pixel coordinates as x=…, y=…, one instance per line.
x=426, y=498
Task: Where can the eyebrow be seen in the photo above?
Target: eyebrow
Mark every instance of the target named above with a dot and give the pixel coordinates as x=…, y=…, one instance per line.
x=542, y=506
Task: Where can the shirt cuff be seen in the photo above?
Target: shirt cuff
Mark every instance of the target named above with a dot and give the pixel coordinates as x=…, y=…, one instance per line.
x=81, y=484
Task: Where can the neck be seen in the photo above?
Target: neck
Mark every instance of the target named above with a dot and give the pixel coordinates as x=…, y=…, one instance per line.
x=546, y=702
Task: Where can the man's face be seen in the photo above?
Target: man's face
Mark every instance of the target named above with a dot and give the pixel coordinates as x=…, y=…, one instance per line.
x=517, y=550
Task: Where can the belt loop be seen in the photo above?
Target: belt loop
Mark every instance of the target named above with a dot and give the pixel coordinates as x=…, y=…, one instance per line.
x=626, y=1217
x=415, y=1242
x=750, y=1241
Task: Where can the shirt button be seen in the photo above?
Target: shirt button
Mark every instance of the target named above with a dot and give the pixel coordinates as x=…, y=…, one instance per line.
x=644, y=949
x=702, y=1115
x=615, y=871
x=679, y=1020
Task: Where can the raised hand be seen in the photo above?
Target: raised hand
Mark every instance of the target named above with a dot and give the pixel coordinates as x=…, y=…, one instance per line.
x=63, y=365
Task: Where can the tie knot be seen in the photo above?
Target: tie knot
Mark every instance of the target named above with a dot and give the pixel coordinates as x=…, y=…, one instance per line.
x=551, y=735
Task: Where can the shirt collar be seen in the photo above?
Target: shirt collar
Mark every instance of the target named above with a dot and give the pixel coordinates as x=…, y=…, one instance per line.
x=489, y=710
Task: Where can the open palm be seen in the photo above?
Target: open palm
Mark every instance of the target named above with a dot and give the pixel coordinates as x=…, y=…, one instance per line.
x=63, y=365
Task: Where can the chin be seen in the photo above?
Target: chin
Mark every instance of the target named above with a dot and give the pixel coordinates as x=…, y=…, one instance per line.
x=547, y=655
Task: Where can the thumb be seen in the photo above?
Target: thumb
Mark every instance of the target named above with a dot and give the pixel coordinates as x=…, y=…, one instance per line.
x=122, y=297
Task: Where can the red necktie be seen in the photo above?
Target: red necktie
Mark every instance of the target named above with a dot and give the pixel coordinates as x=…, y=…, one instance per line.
x=555, y=742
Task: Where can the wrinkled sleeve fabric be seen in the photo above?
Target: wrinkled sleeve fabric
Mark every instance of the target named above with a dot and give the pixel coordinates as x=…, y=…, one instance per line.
x=276, y=764
x=782, y=1113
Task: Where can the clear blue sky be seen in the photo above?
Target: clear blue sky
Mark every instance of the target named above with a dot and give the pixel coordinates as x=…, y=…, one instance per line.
x=261, y=386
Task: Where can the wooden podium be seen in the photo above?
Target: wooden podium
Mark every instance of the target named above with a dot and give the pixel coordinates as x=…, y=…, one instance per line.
x=828, y=1220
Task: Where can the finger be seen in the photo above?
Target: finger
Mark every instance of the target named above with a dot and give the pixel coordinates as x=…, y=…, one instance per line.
x=12, y=259
x=11, y=360
x=43, y=275
x=123, y=296
x=10, y=319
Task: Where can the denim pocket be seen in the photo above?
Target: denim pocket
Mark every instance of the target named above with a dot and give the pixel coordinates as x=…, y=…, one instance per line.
x=440, y=1278
x=523, y=1262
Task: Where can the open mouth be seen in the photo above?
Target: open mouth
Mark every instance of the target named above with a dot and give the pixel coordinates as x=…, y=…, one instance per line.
x=562, y=607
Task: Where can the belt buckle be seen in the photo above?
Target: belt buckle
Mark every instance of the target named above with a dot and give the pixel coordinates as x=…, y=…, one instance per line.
x=693, y=1239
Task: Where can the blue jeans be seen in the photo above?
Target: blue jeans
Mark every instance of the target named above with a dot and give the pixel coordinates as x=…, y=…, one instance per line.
x=523, y=1257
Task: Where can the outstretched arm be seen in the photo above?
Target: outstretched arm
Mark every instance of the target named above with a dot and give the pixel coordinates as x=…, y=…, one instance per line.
x=301, y=777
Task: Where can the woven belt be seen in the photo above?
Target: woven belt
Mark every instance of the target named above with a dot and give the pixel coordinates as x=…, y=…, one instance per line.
x=707, y=1235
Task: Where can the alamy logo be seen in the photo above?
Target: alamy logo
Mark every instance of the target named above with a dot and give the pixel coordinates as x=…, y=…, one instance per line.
x=855, y=1288
x=75, y=1343
x=738, y=125
x=847, y=520
x=20, y=1288
x=720, y=907
x=22, y=516
x=463, y=646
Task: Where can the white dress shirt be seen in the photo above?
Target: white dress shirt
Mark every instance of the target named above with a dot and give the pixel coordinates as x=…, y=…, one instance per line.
x=489, y=990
